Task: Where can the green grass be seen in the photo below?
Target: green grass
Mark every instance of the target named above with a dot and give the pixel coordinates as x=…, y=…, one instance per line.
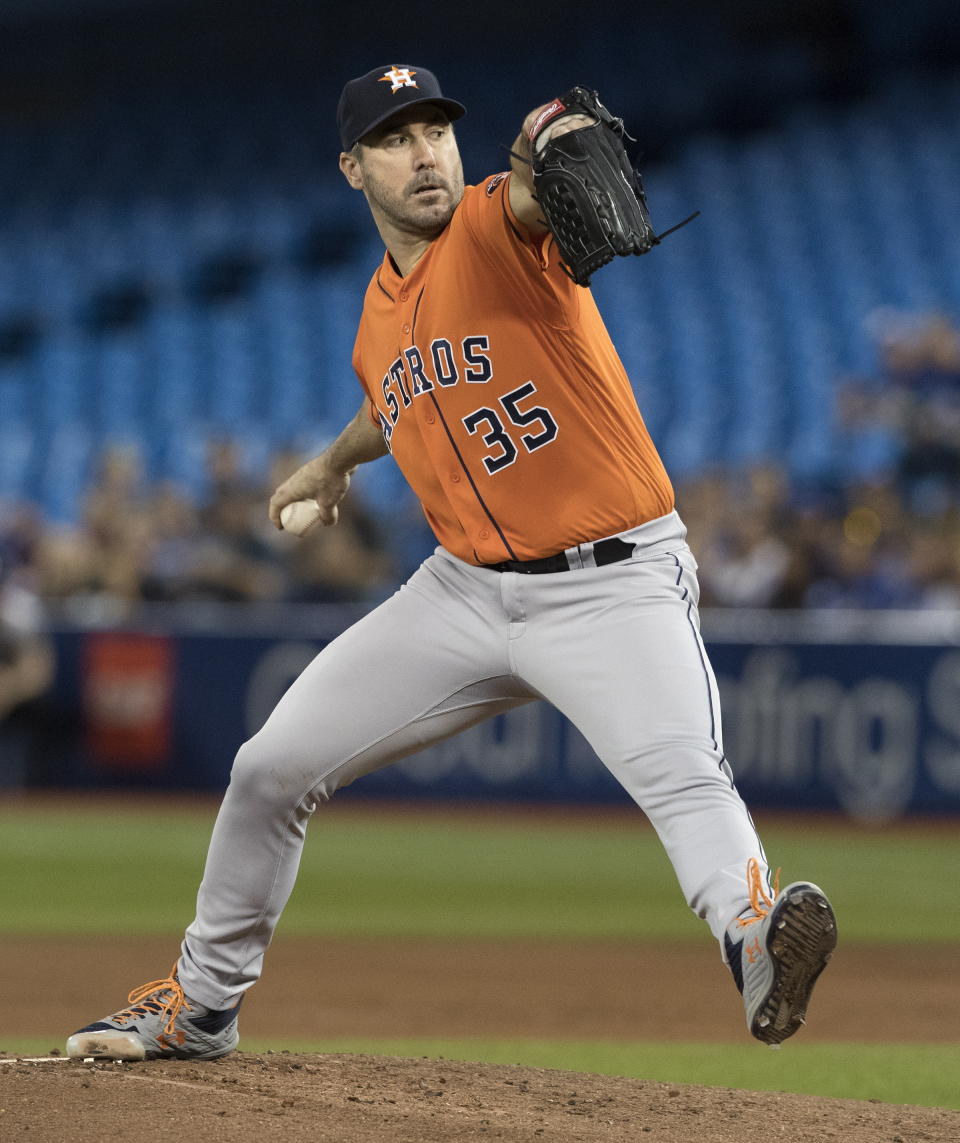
x=136, y=867
x=922, y=1074
x=85, y=870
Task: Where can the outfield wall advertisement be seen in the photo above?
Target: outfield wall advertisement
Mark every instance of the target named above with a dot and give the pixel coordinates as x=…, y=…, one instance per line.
x=818, y=721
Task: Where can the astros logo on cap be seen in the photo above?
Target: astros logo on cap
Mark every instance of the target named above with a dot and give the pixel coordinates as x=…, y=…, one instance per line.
x=398, y=77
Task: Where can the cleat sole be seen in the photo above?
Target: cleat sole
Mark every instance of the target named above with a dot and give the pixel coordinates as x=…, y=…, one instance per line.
x=800, y=943
x=106, y=1045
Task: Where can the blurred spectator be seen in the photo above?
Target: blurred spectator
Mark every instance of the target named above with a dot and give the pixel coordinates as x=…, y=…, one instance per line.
x=26, y=658
x=929, y=466
x=348, y=563
x=96, y=566
x=169, y=561
x=139, y=543
x=856, y=575
x=915, y=400
x=227, y=479
x=933, y=568
x=752, y=569
x=761, y=541
x=920, y=351
x=744, y=561
x=232, y=561
x=344, y=564
x=761, y=544
x=26, y=672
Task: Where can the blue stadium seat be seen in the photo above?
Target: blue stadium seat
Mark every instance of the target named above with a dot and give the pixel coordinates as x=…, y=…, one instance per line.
x=65, y=471
x=61, y=379
x=734, y=331
x=17, y=460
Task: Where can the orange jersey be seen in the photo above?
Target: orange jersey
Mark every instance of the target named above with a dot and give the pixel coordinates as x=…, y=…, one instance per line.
x=500, y=394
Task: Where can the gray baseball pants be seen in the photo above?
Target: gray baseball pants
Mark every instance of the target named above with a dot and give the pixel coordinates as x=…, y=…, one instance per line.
x=616, y=649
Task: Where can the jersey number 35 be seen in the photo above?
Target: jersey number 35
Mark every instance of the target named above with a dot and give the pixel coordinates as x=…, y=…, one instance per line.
x=503, y=450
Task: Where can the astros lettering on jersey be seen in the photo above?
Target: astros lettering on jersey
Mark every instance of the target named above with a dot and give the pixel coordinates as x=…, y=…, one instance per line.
x=518, y=430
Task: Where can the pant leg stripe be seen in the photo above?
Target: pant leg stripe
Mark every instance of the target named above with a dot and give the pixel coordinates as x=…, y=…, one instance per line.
x=706, y=679
x=713, y=722
x=680, y=577
x=706, y=673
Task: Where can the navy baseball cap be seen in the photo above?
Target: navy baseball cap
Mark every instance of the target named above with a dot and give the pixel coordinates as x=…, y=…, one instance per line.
x=367, y=101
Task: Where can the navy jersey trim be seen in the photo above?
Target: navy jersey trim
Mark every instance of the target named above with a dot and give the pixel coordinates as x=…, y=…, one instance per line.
x=467, y=473
x=380, y=284
x=506, y=212
x=453, y=443
x=416, y=310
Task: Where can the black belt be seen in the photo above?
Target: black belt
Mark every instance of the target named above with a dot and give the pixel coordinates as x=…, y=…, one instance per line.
x=611, y=551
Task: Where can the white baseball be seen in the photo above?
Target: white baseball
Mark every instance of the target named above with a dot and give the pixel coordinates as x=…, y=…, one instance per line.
x=300, y=516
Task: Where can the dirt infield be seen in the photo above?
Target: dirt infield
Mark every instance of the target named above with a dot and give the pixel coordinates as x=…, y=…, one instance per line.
x=389, y=989
x=361, y=1099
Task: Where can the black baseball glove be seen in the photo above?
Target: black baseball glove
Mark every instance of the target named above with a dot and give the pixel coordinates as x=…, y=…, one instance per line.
x=591, y=196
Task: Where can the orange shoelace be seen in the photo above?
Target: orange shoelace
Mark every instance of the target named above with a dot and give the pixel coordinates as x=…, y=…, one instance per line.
x=760, y=901
x=141, y=1003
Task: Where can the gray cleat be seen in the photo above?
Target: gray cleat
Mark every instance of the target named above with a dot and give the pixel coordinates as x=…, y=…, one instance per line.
x=161, y=1023
x=782, y=952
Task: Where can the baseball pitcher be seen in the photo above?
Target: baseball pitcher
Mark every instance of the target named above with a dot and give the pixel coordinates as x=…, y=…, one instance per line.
x=561, y=571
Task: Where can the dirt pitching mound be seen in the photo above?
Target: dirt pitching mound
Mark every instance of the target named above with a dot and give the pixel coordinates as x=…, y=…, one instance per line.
x=364, y=1099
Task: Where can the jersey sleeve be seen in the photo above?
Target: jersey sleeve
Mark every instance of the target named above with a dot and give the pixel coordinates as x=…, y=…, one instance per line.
x=527, y=265
x=357, y=363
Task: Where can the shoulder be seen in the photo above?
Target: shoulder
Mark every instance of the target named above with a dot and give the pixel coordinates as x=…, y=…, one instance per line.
x=525, y=266
x=492, y=182
x=486, y=211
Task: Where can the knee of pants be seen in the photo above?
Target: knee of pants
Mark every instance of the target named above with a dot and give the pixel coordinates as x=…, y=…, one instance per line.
x=264, y=771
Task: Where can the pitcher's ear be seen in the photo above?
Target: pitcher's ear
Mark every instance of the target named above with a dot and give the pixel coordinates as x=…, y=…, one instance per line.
x=351, y=168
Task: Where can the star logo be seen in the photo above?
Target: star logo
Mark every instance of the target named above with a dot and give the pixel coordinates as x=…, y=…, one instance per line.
x=398, y=77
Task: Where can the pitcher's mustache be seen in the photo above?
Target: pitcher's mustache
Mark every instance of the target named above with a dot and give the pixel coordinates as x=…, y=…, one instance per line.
x=433, y=181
